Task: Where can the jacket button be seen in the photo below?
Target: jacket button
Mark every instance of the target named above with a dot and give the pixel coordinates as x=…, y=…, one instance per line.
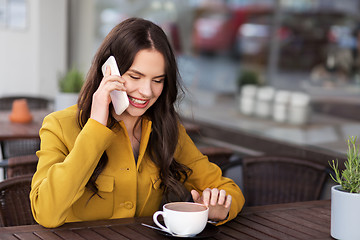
x=129, y=205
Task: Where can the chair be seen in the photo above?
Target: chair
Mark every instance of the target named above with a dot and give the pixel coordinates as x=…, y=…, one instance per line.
x=15, y=202
x=33, y=102
x=19, y=147
x=273, y=179
x=218, y=155
x=21, y=165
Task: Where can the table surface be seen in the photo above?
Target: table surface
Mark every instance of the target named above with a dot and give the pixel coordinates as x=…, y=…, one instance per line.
x=304, y=220
x=10, y=130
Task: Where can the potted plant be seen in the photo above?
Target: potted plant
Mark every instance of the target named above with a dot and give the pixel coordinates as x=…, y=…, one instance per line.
x=69, y=87
x=247, y=83
x=345, y=197
x=247, y=77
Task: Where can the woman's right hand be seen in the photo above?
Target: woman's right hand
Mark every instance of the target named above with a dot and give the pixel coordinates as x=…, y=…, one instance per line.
x=101, y=97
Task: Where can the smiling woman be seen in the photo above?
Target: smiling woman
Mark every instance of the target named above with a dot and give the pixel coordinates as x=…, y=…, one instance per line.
x=95, y=164
x=144, y=81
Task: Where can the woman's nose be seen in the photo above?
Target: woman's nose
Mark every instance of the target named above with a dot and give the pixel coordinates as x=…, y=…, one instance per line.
x=145, y=89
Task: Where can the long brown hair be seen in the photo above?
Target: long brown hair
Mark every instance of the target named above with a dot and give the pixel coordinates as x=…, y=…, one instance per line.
x=123, y=42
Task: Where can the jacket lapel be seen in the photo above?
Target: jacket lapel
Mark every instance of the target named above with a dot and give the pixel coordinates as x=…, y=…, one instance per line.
x=145, y=135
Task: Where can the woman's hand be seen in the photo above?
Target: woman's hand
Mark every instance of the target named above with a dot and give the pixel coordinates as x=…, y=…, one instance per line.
x=218, y=202
x=101, y=98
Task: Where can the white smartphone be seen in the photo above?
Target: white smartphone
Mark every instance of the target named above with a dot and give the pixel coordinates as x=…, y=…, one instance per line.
x=119, y=99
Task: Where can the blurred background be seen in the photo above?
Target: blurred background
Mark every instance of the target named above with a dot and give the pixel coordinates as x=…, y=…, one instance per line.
x=307, y=45
x=287, y=71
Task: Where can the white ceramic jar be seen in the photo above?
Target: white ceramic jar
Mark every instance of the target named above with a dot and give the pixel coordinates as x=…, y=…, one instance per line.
x=299, y=108
x=281, y=105
x=264, y=101
x=345, y=214
x=247, y=99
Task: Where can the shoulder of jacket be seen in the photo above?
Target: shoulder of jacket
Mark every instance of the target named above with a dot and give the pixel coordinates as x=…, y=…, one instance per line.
x=69, y=113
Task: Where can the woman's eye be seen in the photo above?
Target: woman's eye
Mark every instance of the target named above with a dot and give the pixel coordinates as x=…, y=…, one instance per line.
x=134, y=77
x=159, y=80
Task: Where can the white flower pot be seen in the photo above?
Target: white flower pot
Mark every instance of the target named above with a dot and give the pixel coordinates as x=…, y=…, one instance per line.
x=64, y=100
x=264, y=101
x=247, y=105
x=345, y=214
x=247, y=98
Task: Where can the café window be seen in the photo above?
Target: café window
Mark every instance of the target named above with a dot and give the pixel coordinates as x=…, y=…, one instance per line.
x=302, y=45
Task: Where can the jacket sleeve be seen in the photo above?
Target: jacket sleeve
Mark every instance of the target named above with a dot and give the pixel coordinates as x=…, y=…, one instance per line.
x=206, y=174
x=65, y=165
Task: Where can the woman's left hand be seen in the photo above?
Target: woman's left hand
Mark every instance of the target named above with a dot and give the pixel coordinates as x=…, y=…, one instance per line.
x=218, y=202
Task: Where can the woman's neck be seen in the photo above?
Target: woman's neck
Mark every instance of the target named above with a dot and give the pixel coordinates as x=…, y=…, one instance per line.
x=133, y=128
x=129, y=121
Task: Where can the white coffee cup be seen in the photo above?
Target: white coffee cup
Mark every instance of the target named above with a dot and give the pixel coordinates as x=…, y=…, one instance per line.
x=183, y=218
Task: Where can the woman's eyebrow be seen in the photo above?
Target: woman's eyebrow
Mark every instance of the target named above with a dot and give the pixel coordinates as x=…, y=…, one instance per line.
x=160, y=76
x=140, y=73
x=136, y=72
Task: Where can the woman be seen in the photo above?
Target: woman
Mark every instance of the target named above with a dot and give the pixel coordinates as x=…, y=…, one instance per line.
x=95, y=164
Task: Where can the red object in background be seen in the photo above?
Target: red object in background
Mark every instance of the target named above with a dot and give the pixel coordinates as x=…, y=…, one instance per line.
x=20, y=112
x=215, y=30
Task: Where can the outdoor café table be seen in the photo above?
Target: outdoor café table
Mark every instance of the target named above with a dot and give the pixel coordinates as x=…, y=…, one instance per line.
x=10, y=130
x=303, y=220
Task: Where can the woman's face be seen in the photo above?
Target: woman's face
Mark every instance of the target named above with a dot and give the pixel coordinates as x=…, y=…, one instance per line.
x=144, y=81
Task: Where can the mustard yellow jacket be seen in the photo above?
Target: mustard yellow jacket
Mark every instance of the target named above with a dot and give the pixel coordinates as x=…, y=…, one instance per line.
x=69, y=155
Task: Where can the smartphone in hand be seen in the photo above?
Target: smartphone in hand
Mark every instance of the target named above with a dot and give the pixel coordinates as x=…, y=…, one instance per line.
x=119, y=99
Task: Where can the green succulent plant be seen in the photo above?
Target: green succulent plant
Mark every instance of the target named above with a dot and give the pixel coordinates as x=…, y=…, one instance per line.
x=71, y=82
x=349, y=178
x=246, y=77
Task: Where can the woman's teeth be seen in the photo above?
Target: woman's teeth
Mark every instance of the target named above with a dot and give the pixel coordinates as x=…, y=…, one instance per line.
x=137, y=101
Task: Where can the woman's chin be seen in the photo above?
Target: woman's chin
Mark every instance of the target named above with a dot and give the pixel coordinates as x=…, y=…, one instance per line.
x=135, y=112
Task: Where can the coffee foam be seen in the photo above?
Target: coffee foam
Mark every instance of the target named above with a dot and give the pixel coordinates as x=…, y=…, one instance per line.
x=186, y=207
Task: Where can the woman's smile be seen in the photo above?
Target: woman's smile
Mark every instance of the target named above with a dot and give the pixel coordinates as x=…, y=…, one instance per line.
x=139, y=103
